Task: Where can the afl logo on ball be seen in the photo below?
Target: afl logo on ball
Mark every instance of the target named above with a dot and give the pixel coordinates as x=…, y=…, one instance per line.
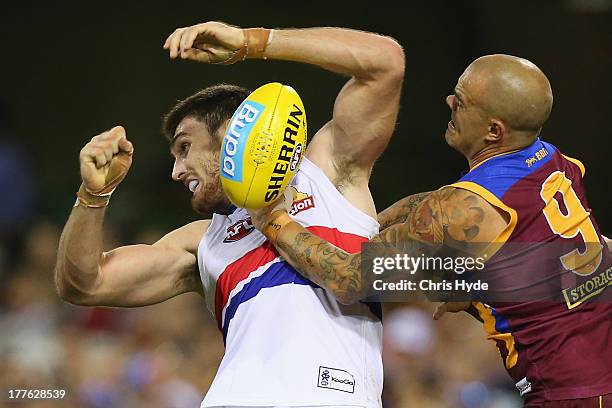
x=297, y=156
x=239, y=230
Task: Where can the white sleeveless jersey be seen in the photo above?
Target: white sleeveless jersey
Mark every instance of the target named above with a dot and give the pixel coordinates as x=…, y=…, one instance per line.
x=287, y=341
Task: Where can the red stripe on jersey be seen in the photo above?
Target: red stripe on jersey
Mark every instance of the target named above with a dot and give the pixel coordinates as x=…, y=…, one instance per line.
x=238, y=270
x=346, y=241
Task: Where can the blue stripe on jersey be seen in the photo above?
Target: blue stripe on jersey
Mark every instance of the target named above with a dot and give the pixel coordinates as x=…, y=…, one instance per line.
x=500, y=173
x=278, y=274
x=501, y=323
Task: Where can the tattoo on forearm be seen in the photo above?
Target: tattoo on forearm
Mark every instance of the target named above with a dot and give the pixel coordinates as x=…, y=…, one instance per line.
x=324, y=264
x=450, y=217
x=399, y=212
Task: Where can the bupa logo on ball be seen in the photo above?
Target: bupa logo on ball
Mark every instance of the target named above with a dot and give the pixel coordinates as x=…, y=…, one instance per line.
x=236, y=135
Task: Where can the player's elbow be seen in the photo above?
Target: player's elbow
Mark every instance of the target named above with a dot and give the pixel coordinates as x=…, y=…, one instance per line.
x=382, y=63
x=347, y=299
x=348, y=296
x=394, y=60
x=70, y=291
x=70, y=294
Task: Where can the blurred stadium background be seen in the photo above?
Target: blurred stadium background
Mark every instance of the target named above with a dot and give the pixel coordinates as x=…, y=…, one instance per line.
x=72, y=69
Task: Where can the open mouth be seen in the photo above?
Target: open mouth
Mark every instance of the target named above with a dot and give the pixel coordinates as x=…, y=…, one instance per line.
x=192, y=185
x=451, y=125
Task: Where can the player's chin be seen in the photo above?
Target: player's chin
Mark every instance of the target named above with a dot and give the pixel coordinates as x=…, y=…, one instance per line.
x=200, y=206
x=206, y=204
x=449, y=136
x=452, y=138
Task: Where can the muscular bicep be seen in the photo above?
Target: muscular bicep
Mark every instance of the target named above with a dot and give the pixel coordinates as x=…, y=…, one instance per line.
x=364, y=116
x=138, y=275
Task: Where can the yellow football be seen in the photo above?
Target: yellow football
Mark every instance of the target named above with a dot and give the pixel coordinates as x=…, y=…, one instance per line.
x=263, y=146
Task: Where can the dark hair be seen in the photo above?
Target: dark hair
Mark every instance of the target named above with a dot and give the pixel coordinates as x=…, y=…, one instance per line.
x=212, y=106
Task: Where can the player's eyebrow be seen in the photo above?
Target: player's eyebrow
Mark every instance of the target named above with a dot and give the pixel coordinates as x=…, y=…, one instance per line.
x=176, y=137
x=458, y=96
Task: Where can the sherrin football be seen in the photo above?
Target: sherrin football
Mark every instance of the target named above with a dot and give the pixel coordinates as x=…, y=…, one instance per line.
x=263, y=146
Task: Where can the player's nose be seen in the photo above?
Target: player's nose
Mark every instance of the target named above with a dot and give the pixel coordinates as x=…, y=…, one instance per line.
x=449, y=101
x=178, y=170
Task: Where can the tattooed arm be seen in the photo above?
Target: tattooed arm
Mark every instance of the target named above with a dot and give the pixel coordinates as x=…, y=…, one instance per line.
x=398, y=212
x=325, y=264
x=450, y=216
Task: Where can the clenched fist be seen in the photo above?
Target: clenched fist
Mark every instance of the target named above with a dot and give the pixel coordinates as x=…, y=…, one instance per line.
x=263, y=218
x=105, y=161
x=217, y=43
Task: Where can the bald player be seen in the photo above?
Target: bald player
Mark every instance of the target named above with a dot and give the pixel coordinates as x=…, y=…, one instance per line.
x=519, y=190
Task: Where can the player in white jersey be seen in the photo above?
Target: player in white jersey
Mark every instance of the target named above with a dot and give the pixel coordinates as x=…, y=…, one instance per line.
x=288, y=343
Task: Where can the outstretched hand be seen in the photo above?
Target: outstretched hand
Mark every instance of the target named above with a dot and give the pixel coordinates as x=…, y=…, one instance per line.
x=211, y=43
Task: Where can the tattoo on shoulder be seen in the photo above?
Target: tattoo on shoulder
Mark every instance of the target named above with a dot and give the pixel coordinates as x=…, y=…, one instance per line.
x=465, y=214
x=451, y=216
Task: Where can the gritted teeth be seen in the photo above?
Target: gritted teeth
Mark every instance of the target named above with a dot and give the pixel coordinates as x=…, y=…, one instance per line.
x=192, y=185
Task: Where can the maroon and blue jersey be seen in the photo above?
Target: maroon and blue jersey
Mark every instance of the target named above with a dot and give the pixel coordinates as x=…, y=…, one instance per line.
x=549, y=310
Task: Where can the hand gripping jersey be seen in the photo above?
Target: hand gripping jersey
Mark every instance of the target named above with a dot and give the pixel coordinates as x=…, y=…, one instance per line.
x=554, y=326
x=287, y=341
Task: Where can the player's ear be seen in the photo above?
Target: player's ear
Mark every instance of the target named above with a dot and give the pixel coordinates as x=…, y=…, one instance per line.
x=496, y=131
x=224, y=126
x=222, y=129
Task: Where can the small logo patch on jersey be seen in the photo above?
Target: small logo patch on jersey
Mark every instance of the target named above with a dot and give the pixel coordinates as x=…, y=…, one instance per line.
x=239, y=230
x=539, y=155
x=574, y=296
x=523, y=386
x=336, y=379
x=301, y=202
